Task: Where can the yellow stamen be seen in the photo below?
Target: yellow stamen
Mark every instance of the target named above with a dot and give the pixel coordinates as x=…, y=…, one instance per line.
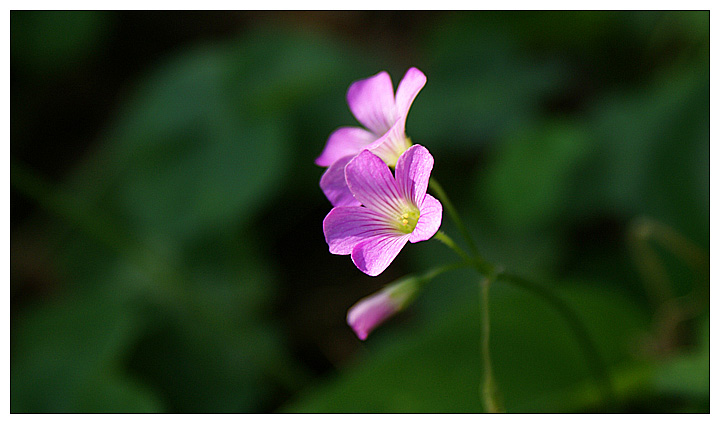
x=408, y=220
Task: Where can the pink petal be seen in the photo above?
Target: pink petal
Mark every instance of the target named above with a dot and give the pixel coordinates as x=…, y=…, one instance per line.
x=392, y=144
x=370, y=312
x=346, y=226
x=429, y=221
x=374, y=255
x=412, y=173
x=345, y=141
x=372, y=101
x=409, y=87
x=334, y=186
x=372, y=183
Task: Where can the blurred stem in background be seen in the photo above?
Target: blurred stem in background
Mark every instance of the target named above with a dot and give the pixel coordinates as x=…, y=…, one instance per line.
x=670, y=309
x=645, y=229
x=590, y=351
x=489, y=273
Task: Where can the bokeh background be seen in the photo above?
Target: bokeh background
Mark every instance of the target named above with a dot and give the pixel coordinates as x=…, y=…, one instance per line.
x=167, y=252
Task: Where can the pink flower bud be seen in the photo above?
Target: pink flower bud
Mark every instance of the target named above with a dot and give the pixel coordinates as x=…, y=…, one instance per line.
x=371, y=311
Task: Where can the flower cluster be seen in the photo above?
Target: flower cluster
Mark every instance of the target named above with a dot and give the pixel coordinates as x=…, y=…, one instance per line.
x=375, y=213
x=383, y=114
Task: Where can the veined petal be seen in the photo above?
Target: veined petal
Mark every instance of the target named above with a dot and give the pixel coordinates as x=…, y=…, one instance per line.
x=372, y=101
x=346, y=226
x=412, y=173
x=335, y=187
x=345, y=141
x=409, y=87
x=372, y=183
x=429, y=221
x=374, y=255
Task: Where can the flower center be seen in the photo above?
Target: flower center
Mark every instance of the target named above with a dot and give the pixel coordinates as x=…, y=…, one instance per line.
x=408, y=220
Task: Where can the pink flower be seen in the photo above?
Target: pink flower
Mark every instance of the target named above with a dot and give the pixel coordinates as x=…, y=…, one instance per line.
x=371, y=311
x=383, y=114
x=394, y=210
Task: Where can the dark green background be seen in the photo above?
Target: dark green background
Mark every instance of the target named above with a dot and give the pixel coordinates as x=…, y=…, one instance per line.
x=167, y=252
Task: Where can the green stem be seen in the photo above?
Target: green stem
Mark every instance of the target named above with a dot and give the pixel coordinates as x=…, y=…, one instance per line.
x=592, y=356
x=429, y=275
x=492, y=272
x=489, y=390
x=447, y=241
x=482, y=266
x=448, y=205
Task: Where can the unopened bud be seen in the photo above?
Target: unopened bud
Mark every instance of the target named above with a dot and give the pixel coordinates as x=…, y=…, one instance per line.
x=371, y=311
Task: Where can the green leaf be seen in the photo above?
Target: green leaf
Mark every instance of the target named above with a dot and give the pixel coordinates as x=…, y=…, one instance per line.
x=434, y=365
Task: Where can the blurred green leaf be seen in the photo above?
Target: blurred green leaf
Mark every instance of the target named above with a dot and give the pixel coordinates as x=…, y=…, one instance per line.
x=528, y=182
x=205, y=141
x=115, y=394
x=650, y=149
x=62, y=352
x=196, y=160
x=435, y=366
x=216, y=367
x=197, y=152
x=213, y=317
x=480, y=85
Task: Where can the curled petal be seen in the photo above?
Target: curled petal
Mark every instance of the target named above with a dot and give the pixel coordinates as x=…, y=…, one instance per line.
x=429, y=221
x=374, y=255
x=346, y=226
x=372, y=101
x=334, y=186
x=413, y=173
x=372, y=183
x=345, y=141
x=409, y=87
x=370, y=312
